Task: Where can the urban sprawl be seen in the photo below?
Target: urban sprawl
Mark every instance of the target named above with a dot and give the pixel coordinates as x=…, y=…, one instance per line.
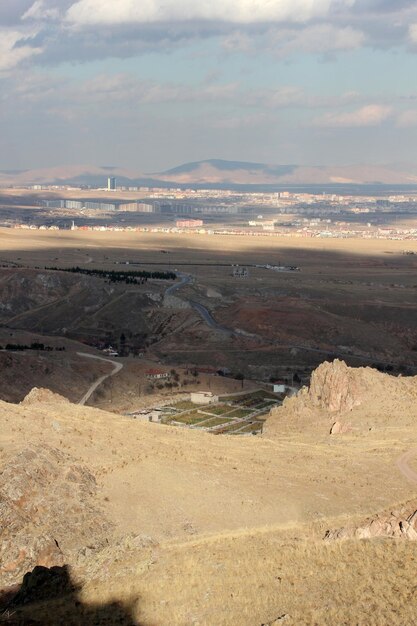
x=221, y=212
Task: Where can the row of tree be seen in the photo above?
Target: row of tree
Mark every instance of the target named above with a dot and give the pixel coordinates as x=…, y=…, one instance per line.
x=128, y=277
x=33, y=346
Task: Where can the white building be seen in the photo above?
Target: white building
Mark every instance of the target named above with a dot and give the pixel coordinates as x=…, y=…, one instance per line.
x=203, y=397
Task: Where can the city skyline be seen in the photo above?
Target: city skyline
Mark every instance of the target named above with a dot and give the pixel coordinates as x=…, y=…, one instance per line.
x=149, y=86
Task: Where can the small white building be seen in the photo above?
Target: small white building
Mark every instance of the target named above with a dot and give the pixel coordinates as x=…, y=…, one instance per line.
x=203, y=397
x=279, y=388
x=154, y=374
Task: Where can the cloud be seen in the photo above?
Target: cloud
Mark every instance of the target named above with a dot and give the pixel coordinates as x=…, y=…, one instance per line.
x=86, y=12
x=316, y=39
x=40, y=11
x=14, y=48
x=87, y=30
x=11, y=12
x=285, y=42
x=370, y=115
x=407, y=119
x=412, y=33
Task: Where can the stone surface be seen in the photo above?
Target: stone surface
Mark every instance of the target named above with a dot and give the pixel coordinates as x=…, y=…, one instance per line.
x=38, y=395
x=43, y=492
x=339, y=428
x=398, y=525
x=336, y=387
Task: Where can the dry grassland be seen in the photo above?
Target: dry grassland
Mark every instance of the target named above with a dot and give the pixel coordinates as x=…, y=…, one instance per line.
x=249, y=579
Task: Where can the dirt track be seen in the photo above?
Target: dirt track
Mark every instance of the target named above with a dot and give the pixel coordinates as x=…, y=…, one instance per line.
x=117, y=367
x=405, y=469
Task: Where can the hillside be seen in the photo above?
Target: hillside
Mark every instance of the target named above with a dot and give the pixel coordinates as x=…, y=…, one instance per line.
x=165, y=525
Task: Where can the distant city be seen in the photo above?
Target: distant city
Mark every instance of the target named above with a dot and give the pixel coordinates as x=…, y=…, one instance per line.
x=284, y=213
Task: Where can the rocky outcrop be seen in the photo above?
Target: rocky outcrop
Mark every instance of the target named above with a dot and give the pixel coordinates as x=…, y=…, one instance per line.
x=400, y=524
x=46, y=509
x=340, y=428
x=343, y=399
x=336, y=387
x=41, y=395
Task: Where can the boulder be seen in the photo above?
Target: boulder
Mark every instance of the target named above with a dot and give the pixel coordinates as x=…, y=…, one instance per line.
x=41, y=395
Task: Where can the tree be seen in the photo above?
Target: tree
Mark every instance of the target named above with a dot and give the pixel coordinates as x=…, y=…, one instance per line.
x=241, y=377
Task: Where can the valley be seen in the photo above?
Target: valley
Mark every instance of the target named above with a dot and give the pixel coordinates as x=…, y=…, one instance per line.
x=207, y=446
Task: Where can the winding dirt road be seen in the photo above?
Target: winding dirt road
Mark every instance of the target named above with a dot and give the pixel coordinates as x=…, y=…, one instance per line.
x=117, y=366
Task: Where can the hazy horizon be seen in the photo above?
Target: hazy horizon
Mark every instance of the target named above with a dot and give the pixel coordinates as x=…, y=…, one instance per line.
x=150, y=87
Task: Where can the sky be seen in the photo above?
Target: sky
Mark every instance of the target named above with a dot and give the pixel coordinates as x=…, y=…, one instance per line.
x=148, y=85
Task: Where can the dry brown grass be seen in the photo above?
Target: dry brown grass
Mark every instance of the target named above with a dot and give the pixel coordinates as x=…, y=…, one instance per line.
x=249, y=579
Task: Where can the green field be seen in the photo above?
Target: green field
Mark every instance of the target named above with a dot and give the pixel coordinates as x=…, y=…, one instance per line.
x=264, y=405
x=183, y=405
x=232, y=427
x=190, y=418
x=219, y=409
x=216, y=421
x=252, y=428
x=240, y=413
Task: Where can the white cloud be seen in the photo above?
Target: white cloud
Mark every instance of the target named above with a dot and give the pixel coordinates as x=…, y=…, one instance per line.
x=39, y=11
x=285, y=42
x=370, y=115
x=412, y=33
x=12, y=50
x=85, y=12
x=406, y=119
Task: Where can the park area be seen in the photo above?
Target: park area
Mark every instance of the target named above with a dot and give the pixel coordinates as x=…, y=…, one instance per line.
x=236, y=414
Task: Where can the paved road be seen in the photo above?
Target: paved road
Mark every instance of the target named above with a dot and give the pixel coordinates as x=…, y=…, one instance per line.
x=405, y=469
x=185, y=280
x=117, y=366
x=204, y=313
x=209, y=320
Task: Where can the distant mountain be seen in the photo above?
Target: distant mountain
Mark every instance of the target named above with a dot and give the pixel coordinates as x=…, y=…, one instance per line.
x=230, y=166
x=219, y=173
x=244, y=173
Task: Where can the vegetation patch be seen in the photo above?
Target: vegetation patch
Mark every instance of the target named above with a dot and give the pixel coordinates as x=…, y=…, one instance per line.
x=254, y=427
x=190, y=418
x=129, y=277
x=183, y=405
x=220, y=409
x=240, y=413
x=216, y=421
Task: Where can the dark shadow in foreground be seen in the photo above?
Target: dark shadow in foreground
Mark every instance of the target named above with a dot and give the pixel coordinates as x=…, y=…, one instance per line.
x=48, y=597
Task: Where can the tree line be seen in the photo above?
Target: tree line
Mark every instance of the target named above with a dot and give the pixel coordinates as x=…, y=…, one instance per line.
x=114, y=276
x=33, y=346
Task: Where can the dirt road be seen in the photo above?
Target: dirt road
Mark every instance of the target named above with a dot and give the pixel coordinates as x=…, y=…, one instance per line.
x=405, y=469
x=117, y=366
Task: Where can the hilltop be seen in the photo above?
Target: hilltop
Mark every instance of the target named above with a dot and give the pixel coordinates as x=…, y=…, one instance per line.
x=183, y=527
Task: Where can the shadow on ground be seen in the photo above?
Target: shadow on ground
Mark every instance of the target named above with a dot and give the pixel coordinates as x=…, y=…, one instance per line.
x=48, y=597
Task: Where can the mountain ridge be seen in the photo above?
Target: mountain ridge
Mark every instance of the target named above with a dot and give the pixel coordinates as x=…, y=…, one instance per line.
x=221, y=172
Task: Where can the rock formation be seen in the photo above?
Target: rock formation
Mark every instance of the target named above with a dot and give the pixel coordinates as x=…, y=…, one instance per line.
x=37, y=395
x=42, y=493
x=399, y=524
x=336, y=387
x=362, y=395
